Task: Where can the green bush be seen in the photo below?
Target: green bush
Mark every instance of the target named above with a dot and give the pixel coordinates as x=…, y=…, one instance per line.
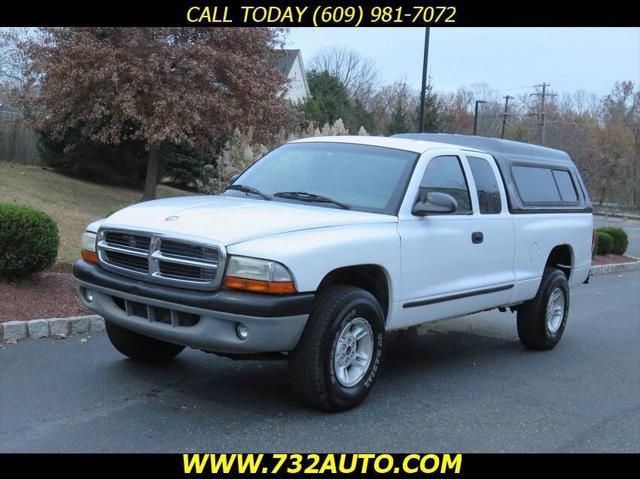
x=28, y=241
x=620, y=238
x=604, y=243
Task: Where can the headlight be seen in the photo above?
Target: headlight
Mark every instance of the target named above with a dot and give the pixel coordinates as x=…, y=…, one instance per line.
x=88, y=247
x=258, y=276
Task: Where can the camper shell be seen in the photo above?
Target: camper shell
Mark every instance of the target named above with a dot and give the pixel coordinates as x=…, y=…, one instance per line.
x=512, y=155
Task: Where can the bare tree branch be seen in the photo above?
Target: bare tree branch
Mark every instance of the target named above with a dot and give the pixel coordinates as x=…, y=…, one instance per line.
x=358, y=73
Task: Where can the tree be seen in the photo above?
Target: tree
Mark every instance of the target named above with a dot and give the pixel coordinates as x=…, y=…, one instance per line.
x=357, y=73
x=330, y=101
x=329, y=98
x=10, y=57
x=456, y=115
x=162, y=87
x=431, y=110
x=399, y=121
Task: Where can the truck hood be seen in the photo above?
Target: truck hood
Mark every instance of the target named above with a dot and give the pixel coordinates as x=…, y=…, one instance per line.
x=233, y=219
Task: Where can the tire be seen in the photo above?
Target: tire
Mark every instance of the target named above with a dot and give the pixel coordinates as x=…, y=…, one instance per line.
x=319, y=376
x=138, y=347
x=538, y=329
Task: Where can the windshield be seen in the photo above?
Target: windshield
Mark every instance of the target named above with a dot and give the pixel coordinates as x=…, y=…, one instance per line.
x=361, y=177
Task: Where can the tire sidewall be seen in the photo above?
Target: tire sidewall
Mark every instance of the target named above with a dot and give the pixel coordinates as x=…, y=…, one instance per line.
x=557, y=279
x=363, y=308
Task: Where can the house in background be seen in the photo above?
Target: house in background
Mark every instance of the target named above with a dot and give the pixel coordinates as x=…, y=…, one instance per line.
x=290, y=65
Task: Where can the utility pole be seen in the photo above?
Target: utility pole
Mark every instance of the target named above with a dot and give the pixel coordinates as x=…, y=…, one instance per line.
x=475, y=116
x=542, y=96
x=504, y=116
x=425, y=61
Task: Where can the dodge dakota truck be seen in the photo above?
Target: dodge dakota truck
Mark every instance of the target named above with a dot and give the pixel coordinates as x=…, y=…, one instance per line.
x=322, y=246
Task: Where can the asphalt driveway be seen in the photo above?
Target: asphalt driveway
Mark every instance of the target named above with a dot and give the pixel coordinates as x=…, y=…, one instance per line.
x=464, y=384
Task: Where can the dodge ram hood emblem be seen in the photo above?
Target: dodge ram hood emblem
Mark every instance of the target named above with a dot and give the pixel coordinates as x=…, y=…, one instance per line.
x=171, y=218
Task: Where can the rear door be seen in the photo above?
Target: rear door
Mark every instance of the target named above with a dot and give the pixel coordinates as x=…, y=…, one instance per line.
x=458, y=263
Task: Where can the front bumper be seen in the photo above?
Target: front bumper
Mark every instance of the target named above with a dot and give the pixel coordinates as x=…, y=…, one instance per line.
x=202, y=320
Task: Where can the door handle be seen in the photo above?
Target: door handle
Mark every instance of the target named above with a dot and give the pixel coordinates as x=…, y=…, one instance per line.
x=477, y=237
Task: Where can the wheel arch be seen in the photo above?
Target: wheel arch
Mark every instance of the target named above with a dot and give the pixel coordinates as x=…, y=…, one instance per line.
x=370, y=277
x=561, y=257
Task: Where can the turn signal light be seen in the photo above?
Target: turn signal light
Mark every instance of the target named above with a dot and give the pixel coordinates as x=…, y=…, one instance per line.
x=256, y=286
x=89, y=256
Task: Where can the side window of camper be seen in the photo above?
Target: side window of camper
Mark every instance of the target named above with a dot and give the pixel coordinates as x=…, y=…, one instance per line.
x=539, y=185
x=566, y=186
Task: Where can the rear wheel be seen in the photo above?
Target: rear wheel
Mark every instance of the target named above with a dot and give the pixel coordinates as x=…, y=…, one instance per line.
x=340, y=353
x=541, y=321
x=138, y=347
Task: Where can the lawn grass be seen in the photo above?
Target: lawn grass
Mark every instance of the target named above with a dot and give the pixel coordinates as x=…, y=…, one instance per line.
x=72, y=203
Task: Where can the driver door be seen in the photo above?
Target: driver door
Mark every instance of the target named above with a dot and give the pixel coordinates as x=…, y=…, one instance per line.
x=448, y=265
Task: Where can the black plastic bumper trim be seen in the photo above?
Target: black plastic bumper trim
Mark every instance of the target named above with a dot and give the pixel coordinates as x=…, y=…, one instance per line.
x=228, y=301
x=425, y=302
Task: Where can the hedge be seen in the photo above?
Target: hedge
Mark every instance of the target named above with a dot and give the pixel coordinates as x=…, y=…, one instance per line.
x=28, y=241
x=604, y=242
x=620, y=238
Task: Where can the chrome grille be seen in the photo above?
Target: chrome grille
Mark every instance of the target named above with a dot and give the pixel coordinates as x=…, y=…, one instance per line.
x=161, y=258
x=127, y=240
x=124, y=260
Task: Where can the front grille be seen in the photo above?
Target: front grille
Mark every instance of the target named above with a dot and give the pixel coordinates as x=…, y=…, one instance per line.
x=128, y=240
x=173, y=270
x=185, y=250
x=128, y=261
x=156, y=314
x=158, y=258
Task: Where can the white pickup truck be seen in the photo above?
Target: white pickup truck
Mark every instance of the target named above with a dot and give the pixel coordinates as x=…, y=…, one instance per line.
x=325, y=244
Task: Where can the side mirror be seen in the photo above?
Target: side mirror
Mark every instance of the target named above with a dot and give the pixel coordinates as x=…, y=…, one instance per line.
x=435, y=203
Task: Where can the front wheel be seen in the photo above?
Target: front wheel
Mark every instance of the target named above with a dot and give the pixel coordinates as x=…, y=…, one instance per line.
x=541, y=321
x=340, y=353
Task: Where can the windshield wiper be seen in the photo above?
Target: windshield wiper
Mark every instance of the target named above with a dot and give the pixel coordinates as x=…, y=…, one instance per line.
x=310, y=197
x=248, y=189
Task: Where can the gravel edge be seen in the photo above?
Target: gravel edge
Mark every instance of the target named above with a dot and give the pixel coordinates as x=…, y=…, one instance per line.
x=13, y=331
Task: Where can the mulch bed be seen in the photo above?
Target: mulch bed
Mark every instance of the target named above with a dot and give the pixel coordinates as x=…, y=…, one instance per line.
x=51, y=295
x=611, y=259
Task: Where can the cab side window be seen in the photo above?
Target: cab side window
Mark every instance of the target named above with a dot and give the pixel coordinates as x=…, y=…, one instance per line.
x=486, y=186
x=444, y=174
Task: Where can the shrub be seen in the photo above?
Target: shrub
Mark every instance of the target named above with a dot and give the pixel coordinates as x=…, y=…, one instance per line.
x=238, y=154
x=28, y=241
x=620, y=238
x=604, y=243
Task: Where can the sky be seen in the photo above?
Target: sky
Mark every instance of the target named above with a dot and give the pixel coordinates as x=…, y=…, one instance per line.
x=511, y=60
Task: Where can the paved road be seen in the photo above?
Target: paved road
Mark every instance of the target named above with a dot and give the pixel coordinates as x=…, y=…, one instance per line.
x=632, y=227
x=463, y=384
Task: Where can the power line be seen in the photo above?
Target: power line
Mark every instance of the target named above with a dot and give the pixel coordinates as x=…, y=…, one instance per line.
x=543, y=95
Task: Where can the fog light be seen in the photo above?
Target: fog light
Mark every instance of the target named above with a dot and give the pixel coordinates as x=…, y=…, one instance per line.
x=242, y=331
x=88, y=296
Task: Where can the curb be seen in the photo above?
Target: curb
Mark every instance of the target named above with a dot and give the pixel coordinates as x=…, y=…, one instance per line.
x=13, y=331
x=625, y=216
x=615, y=268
